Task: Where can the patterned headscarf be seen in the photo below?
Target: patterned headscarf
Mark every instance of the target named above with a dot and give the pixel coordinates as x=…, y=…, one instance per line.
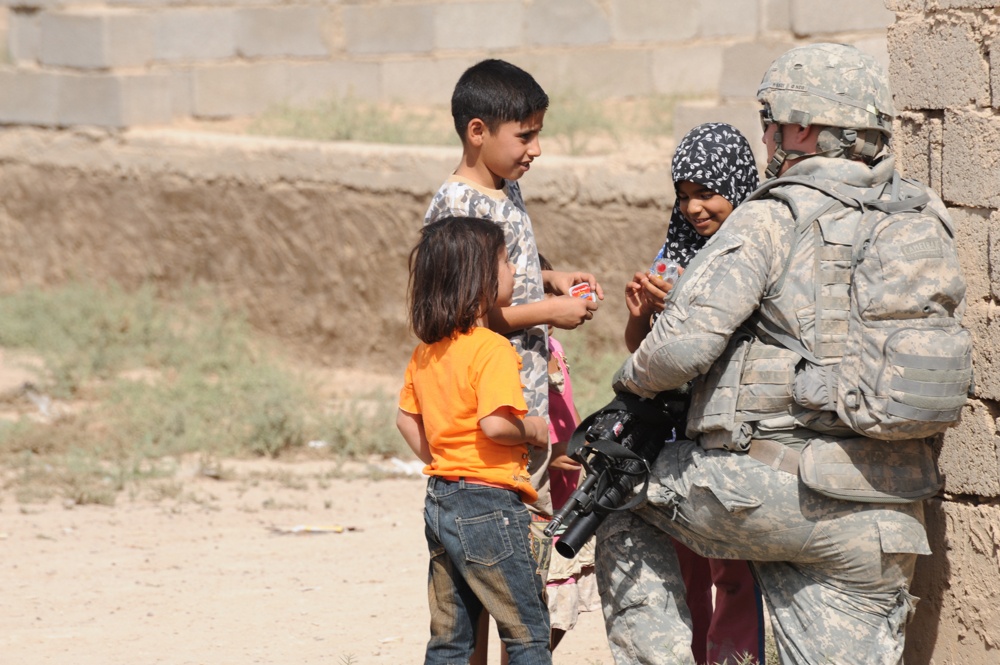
x=719, y=157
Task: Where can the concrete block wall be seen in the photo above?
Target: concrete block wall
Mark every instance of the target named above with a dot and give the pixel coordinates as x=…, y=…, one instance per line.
x=945, y=69
x=226, y=58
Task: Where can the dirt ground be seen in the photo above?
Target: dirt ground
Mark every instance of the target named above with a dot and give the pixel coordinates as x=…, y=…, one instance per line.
x=228, y=572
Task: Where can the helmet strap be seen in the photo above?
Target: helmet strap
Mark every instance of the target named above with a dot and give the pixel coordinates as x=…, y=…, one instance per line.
x=774, y=165
x=867, y=145
x=780, y=155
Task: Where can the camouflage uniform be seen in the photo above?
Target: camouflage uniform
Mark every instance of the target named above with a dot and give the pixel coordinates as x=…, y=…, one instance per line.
x=460, y=197
x=835, y=574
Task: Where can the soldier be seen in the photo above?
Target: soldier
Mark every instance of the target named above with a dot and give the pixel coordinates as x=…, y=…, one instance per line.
x=835, y=572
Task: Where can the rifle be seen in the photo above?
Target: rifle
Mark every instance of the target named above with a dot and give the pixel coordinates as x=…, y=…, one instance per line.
x=616, y=446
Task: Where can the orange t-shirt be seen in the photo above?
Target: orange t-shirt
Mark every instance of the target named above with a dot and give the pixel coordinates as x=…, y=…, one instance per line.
x=452, y=384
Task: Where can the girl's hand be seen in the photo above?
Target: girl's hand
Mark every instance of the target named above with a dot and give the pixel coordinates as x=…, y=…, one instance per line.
x=655, y=290
x=637, y=305
x=560, y=460
x=565, y=463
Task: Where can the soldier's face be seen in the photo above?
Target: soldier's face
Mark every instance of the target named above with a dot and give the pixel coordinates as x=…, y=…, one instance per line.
x=768, y=139
x=794, y=138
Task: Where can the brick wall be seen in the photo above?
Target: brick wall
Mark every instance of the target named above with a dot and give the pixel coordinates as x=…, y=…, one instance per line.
x=121, y=63
x=945, y=70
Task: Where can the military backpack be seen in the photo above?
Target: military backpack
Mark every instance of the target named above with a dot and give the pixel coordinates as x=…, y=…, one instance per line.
x=905, y=362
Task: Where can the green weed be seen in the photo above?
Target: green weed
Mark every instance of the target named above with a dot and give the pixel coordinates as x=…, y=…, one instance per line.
x=575, y=123
x=149, y=381
x=364, y=426
x=591, y=370
x=578, y=121
x=351, y=119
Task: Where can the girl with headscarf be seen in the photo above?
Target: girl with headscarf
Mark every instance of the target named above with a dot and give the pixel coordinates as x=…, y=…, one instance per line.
x=713, y=171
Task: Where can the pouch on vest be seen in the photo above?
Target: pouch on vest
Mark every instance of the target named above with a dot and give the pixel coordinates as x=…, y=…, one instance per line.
x=861, y=470
x=712, y=418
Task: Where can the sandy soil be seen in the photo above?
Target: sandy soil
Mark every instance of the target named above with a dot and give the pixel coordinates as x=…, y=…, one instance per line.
x=208, y=573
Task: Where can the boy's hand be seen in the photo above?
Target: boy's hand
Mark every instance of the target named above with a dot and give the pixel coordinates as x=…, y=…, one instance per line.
x=567, y=312
x=559, y=283
x=537, y=429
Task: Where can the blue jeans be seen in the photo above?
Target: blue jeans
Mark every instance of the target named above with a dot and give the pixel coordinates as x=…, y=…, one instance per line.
x=478, y=538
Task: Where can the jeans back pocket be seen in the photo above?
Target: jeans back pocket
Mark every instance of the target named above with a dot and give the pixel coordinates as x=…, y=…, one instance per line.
x=485, y=539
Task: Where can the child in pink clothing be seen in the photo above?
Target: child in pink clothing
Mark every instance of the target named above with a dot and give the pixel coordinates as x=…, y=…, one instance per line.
x=572, y=586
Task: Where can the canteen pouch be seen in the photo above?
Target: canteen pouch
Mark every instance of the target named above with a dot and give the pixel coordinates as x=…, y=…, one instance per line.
x=869, y=471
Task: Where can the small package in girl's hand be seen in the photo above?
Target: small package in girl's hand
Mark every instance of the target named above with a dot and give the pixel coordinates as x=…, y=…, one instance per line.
x=666, y=270
x=582, y=291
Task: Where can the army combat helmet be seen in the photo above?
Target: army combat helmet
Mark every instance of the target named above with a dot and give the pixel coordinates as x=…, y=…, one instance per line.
x=833, y=85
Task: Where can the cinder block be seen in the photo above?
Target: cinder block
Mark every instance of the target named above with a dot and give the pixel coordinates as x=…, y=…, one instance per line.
x=728, y=18
x=971, y=164
x=654, y=20
x=221, y=91
x=744, y=65
x=23, y=36
x=566, y=23
x=937, y=66
x=310, y=82
x=181, y=93
x=905, y=6
x=775, y=16
x=422, y=81
x=969, y=453
x=918, y=140
x=97, y=38
x=687, y=70
x=957, y=585
x=593, y=72
x=995, y=72
x=334, y=33
x=28, y=97
x=114, y=100
x=394, y=29
x=975, y=235
x=876, y=47
x=994, y=260
x=961, y=4
x=822, y=18
x=741, y=115
x=32, y=5
x=481, y=25
x=285, y=31
x=194, y=34
x=146, y=99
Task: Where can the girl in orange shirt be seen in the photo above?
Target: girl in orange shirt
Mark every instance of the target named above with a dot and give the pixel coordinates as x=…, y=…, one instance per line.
x=462, y=412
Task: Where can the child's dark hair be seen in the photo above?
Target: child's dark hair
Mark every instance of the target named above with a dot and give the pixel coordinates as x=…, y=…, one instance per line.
x=495, y=91
x=453, y=276
x=544, y=262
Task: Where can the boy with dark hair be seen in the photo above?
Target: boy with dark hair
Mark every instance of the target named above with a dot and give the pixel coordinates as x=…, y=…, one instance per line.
x=498, y=110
